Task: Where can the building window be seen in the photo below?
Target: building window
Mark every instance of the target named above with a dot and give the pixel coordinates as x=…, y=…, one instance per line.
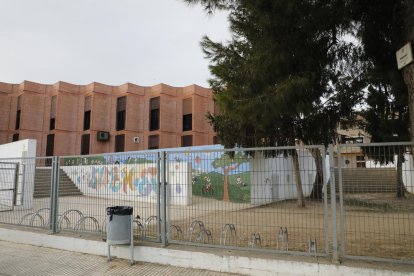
x=120, y=143
x=52, y=113
x=18, y=113
x=120, y=113
x=154, y=114
x=360, y=161
x=187, y=140
x=87, y=114
x=15, y=137
x=85, y=142
x=187, y=114
x=50, y=144
x=153, y=142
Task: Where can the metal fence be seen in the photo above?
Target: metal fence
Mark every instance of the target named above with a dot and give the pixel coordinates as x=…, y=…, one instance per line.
x=20, y=202
x=239, y=198
x=376, y=201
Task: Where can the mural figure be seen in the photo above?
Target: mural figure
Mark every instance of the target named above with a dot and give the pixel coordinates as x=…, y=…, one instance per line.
x=207, y=188
x=239, y=182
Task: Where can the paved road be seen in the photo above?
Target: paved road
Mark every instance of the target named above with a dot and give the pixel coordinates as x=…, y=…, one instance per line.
x=21, y=259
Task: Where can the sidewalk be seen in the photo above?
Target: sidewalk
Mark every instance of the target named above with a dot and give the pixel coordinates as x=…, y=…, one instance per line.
x=21, y=259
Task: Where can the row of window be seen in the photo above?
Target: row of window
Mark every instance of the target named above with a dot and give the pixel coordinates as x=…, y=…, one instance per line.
x=153, y=142
x=154, y=122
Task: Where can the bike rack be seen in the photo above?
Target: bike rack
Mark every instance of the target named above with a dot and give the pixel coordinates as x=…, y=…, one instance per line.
x=140, y=227
x=190, y=230
x=33, y=216
x=178, y=231
x=65, y=217
x=283, y=239
x=147, y=223
x=80, y=225
x=255, y=240
x=223, y=235
x=312, y=246
x=201, y=236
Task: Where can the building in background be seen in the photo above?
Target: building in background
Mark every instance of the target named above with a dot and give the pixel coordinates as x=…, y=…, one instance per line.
x=353, y=156
x=69, y=119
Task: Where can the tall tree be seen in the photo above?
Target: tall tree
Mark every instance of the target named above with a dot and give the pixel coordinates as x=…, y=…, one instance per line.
x=383, y=27
x=279, y=79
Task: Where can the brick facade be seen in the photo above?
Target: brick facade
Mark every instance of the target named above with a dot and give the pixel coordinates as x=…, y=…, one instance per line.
x=66, y=113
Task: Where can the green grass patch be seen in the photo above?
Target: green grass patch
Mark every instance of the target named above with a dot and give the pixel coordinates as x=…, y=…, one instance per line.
x=366, y=204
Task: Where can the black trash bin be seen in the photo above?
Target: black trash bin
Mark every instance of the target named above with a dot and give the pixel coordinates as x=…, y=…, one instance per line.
x=119, y=227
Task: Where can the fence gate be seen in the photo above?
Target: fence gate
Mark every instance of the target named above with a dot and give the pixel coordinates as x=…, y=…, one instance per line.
x=8, y=185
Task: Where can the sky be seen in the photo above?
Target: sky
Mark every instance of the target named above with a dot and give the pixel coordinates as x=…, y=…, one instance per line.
x=145, y=42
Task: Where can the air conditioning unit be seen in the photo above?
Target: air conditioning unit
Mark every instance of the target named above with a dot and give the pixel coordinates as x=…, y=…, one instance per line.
x=103, y=136
x=136, y=140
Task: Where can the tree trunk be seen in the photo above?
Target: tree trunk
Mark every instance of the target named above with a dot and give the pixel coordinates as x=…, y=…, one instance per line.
x=226, y=197
x=298, y=181
x=408, y=74
x=408, y=71
x=400, y=185
x=318, y=185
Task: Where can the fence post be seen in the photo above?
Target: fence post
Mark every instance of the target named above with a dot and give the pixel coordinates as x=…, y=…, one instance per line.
x=325, y=199
x=333, y=205
x=16, y=185
x=163, y=201
x=341, y=202
x=54, y=194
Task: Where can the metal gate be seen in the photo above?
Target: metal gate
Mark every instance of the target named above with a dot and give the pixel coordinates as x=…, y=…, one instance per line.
x=8, y=185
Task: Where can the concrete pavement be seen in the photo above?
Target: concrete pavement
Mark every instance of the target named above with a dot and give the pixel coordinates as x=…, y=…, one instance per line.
x=22, y=259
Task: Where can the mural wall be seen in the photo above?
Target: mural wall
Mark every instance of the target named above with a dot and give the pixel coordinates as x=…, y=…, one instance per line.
x=204, y=171
x=135, y=181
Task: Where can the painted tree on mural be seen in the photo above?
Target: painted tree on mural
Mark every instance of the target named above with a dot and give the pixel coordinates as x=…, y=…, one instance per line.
x=228, y=163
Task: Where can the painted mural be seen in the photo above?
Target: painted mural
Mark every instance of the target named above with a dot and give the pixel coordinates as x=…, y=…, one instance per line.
x=216, y=174
x=205, y=171
x=133, y=181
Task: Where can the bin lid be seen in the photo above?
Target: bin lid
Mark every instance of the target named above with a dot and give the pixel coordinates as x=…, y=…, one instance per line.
x=119, y=210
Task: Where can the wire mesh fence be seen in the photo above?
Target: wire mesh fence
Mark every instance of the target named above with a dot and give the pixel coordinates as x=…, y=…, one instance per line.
x=21, y=201
x=248, y=198
x=101, y=181
x=359, y=198
x=375, y=183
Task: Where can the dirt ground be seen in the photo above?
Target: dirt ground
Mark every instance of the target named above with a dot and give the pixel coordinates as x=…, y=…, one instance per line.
x=376, y=225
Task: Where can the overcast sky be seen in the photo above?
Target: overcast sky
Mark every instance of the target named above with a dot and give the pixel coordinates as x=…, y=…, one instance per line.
x=145, y=42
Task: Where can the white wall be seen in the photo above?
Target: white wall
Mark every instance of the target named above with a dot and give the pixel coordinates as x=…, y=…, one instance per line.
x=273, y=179
x=408, y=173
x=24, y=153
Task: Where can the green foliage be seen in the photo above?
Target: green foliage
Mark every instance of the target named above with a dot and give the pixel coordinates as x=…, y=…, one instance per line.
x=229, y=159
x=289, y=73
x=387, y=111
x=277, y=79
